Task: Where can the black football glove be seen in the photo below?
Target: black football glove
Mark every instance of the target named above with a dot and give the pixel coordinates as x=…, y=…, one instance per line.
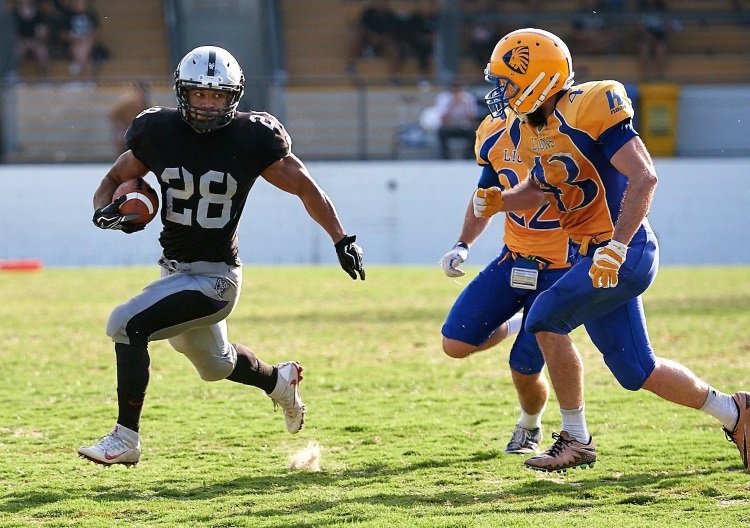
x=109, y=217
x=350, y=256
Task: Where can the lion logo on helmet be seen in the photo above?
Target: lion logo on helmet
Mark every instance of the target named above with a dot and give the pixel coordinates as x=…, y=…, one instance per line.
x=517, y=59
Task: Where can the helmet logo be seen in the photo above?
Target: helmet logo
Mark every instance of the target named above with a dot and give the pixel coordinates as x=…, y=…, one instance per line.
x=211, y=63
x=517, y=59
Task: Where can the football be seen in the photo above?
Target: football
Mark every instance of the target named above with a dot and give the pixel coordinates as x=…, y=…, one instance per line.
x=140, y=199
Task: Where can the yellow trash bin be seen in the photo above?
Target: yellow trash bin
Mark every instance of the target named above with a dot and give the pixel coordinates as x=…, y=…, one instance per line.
x=658, y=117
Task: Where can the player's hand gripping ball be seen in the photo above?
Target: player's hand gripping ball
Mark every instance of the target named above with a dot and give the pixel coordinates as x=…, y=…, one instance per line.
x=140, y=199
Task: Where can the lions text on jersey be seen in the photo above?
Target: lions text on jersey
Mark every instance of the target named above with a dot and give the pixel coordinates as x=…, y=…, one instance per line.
x=534, y=233
x=569, y=156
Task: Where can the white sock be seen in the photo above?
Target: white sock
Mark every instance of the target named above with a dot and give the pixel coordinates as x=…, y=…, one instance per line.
x=531, y=421
x=722, y=407
x=514, y=325
x=574, y=423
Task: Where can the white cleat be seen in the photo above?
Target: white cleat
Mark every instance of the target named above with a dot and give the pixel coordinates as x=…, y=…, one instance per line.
x=120, y=446
x=286, y=394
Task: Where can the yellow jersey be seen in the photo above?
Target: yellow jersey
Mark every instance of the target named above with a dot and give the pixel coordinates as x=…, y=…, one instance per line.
x=569, y=157
x=534, y=233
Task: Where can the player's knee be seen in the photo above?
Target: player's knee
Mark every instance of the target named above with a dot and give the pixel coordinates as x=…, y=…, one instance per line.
x=536, y=323
x=457, y=349
x=215, y=370
x=525, y=355
x=210, y=367
x=630, y=383
x=117, y=325
x=544, y=320
x=628, y=377
x=527, y=366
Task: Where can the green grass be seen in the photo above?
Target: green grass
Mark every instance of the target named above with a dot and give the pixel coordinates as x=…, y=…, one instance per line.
x=409, y=437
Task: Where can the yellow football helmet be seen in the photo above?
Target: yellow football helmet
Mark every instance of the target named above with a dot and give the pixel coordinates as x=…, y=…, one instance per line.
x=527, y=66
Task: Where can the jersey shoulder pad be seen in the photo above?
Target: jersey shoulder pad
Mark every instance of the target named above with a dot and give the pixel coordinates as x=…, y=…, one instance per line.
x=155, y=115
x=489, y=126
x=595, y=107
x=154, y=122
x=258, y=121
x=264, y=129
x=488, y=132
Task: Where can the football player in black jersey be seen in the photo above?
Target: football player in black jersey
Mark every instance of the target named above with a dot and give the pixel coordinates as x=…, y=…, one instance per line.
x=206, y=156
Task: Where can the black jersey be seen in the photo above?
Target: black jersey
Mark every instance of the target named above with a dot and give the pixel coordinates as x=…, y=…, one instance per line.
x=205, y=178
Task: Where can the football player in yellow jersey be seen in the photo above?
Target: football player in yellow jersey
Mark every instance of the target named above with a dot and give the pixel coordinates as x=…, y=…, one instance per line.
x=534, y=257
x=585, y=159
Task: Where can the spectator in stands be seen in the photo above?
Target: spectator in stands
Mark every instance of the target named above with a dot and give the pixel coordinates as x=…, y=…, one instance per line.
x=125, y=110
x=377, y=34
x=458, y=114
x=32, y=32
x=80, y=35
x=419, y=36
x=654, y=30
x=592, y=33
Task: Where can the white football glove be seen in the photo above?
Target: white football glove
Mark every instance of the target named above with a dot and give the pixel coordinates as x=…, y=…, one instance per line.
x=454, y=258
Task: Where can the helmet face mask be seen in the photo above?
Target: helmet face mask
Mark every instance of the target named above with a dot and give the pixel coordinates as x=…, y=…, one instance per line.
x=498, y=98
x=527, y=67
x=208, y=68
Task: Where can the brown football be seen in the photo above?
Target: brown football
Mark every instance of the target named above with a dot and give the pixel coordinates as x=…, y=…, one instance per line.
x=141, y=199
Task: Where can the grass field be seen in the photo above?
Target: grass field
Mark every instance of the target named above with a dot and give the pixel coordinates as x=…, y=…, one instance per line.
x=408, y=436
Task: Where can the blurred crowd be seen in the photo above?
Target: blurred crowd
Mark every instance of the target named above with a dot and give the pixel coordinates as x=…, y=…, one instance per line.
x=400, y=32
x=58, y=29
x=596, y=27
x=397, y=36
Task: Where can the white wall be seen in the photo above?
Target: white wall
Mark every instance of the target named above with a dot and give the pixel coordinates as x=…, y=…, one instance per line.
x=406, y=212
x=713, y=121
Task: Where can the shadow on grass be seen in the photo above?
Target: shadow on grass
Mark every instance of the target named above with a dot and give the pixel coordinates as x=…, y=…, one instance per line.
x=546, y=494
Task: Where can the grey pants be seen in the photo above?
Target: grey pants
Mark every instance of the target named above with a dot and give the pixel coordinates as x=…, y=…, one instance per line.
x=188, y=306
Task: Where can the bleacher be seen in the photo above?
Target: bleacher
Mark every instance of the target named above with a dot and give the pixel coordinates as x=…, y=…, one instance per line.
x=135, y=35
x=714, y=41
x=69, y=122
x=331, y=113
x=64, y=118
x=711, y=48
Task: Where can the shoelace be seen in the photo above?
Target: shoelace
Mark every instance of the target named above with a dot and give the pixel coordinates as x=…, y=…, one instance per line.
x=520, y=436
x=112, y=442
x=558, y=446
x=288, y=411
x=728, y=434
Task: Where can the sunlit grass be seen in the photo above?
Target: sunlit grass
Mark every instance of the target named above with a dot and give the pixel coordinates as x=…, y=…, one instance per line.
x=409, y=437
